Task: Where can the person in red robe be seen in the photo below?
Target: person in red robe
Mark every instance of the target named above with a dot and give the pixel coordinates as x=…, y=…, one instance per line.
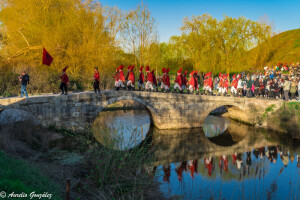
x=178, y=81
x=154, y=81
x=96, y=79
x=141, y=79
x=119, y=78
x=193, y=83
x=130, y=79
x=184, y=82
x=150, y=80
x=225, y=85
x=64, y=82
x=208, y=84
x=163, y=85
x=116, y=77
x=234, y=85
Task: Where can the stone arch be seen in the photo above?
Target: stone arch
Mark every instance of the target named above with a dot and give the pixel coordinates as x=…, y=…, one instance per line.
x=151, y=110
x=236, y=111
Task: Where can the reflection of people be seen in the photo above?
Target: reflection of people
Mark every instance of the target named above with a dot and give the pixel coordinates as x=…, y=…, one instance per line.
x=179, y=170
x=284, y=156
x=223, y=163
x=167, y=173
x=234, y=157
x=248, y=161
x=208, y=163
x=192, y=166
x=298, y=161
x=272, y=154
x=239, y=161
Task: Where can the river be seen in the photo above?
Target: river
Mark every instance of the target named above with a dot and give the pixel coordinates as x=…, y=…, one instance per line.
x=223, y=160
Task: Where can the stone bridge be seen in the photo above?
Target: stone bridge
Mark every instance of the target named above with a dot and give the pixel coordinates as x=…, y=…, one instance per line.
x=168, y=111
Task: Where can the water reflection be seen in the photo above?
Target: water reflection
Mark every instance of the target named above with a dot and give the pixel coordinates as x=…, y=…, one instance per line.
x=255, y=168
x=214, y=126
x=122, y=129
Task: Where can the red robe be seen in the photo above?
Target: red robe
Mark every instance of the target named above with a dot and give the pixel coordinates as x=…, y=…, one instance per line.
x=150, y=77
x=154, y=80
x=179, y=80
x=210, y=82
x=141, y=78
x=221, y=83
x=96, y=76
x=234, y=83
x=121, y=76
x=116, y=76
x=167, y=81
x=226, y=84
x=193, y=82
x=131, y=77
x=64, y=78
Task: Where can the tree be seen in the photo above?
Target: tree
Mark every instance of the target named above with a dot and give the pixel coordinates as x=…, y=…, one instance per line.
x=139, y=32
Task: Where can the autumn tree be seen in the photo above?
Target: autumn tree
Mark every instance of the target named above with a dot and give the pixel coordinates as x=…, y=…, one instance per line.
x=80, y=34
x=221, y=45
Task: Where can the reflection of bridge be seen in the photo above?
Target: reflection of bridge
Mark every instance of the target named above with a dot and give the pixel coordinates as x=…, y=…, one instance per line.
x=168, y=111
x=169, y=146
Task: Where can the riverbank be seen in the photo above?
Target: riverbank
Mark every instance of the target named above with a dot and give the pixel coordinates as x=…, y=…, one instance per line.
x=286, y=119
x=94, y=172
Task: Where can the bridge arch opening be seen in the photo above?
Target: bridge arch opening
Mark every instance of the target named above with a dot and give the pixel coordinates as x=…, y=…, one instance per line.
x=223, y=127
x=123, y=124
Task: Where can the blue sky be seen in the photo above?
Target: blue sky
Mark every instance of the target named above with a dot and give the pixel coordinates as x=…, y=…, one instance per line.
x=284, y=15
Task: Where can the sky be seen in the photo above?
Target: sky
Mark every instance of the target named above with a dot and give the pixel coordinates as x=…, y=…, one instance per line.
x=169, y=14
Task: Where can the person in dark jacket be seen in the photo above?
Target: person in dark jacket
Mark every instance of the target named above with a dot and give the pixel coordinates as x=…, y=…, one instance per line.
x=248, y=85
x=256, y=87
x=24, y=79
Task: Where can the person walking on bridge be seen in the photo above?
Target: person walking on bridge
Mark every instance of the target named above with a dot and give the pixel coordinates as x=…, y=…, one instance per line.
x=130, y=79
x=141, y=79
x=150, y=80
x=154, y=81
x=178, y=81
x=166, y=80
x=64, y=82
x=24, y=79
x=184, y=82
x=96, y=80
x=119, y=78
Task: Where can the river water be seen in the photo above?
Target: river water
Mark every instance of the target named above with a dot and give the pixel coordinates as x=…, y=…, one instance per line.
x=223, y=160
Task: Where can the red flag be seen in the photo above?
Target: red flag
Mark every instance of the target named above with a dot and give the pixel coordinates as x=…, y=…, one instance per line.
x=47, y=58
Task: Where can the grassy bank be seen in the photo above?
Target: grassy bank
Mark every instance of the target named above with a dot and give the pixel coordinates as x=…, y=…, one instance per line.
x=20, y=176
x=286, y=119
x=96, y=171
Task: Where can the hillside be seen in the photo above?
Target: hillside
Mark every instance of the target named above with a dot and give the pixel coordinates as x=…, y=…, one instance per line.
x=285, y=47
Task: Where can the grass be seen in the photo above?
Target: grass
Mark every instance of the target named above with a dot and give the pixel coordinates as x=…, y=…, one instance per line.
x=19, y=176
x=286, y=119
x=122, y=173
x=290, y=53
